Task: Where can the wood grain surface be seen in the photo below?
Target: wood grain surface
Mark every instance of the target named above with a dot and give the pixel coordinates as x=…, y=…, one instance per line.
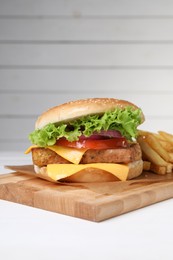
x=90, y=201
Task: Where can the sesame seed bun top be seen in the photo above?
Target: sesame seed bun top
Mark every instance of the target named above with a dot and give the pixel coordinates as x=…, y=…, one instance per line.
x=76, y=109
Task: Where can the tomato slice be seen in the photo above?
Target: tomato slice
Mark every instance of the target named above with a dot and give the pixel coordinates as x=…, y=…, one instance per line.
x=111, y=143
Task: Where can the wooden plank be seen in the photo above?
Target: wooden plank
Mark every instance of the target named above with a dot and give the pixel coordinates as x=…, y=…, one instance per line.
x=30, y=104
x=86, y=30
x=79, y=8
x=94, y=202
x=94, y=55
x=87, y=80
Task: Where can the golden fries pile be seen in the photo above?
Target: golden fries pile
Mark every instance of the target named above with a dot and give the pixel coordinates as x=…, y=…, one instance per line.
x=157, y=151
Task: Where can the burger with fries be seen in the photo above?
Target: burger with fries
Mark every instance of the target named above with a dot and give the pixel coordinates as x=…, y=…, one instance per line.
x=88, y=140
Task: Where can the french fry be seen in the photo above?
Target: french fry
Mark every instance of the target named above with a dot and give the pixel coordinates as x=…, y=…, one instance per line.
x=166, y=145
x=150, y=153
x=157, y=151
x=159, y=137
x=156, y=146
x=171, y=157
x=158, y=169
x=168, y=137
x=146, y=165
x=169, y=168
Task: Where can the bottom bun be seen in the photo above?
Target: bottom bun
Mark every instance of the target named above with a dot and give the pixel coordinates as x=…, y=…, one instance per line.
x=95, y=175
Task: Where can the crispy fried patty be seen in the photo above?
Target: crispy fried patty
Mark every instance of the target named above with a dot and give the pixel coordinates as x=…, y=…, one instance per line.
x=44, y=156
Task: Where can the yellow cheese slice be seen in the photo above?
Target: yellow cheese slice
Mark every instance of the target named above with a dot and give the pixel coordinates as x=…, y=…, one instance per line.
x=60, y=171
x=28, y=150
x=70, y=154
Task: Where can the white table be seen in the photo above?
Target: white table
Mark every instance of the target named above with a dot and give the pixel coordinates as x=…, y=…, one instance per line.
x=30, y=234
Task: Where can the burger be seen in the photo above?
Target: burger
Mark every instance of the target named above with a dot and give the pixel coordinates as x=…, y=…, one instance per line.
x=88, y=140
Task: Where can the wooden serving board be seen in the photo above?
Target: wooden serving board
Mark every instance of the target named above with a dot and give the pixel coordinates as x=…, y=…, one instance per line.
x=95, y=202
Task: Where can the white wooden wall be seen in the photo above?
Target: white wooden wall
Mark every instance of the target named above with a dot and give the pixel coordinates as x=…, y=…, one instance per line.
x=53, y=51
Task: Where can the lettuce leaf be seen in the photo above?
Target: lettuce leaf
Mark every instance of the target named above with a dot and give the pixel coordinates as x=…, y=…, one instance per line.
x=124, y=120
